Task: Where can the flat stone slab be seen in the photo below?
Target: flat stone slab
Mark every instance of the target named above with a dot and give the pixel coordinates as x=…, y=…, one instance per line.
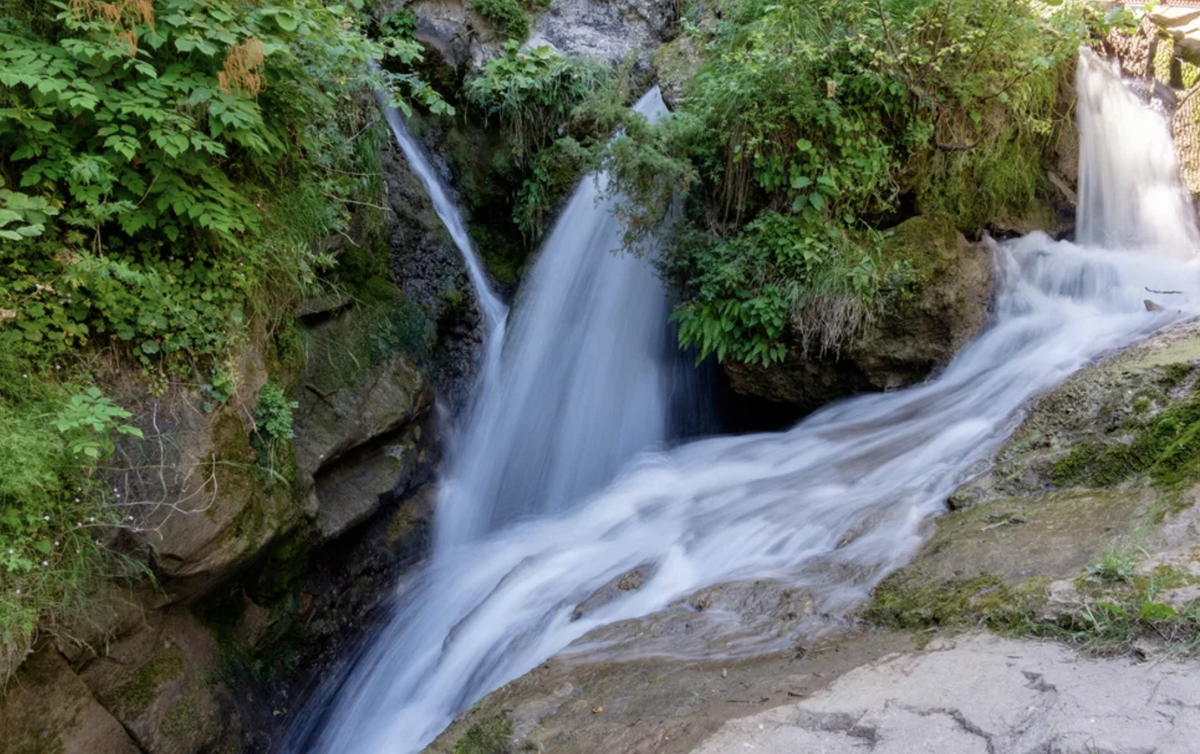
x=987, y=695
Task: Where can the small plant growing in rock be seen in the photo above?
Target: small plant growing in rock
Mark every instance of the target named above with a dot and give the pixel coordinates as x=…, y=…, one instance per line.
x=273, y=421
x=273, y=415
x=1114, y=569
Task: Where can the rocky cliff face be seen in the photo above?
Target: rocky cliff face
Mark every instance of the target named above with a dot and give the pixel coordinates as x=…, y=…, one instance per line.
x=266, y=562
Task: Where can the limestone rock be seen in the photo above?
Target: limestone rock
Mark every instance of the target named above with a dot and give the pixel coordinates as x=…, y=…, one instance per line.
x=983, y=694
x=201, y=501
x=230, y=515
x=609, y=30
x=48, y=709
x=1101, y=403
x=906, y=344
x=346, y=402
x=676, y=62
x=351, y=492
x=445, y=29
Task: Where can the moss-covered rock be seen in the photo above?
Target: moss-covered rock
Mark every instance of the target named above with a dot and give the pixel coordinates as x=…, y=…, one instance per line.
x=1084, y=529
x=940, y=303
x=49, y=710
x=1123, y=423
x=162, y=684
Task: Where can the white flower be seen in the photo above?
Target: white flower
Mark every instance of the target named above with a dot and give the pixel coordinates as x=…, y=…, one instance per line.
x=47, y=518
x=45, y=562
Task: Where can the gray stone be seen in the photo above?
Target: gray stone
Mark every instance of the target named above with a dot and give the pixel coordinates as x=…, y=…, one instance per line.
x=984, y=694
x=49, y=709
x=609, y=30
x=162, y=684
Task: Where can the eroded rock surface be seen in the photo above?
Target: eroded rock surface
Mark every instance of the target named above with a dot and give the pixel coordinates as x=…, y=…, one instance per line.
x=986, y=695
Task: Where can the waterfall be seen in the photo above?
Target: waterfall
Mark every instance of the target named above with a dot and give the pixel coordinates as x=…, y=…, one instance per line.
x=494, y=311
x=830, y=506
x=587, y=377
x=1124, y=144
x=583, y=384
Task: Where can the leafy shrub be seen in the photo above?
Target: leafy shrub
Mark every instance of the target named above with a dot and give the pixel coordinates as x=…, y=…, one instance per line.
x=273, y=421
x=146, y=152
x=506, y=15
x=550, y=108
x=808, y=124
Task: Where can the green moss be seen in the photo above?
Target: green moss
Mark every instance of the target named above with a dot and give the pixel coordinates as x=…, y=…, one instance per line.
x=491, y=737
x=907, y=603
x=184, y=719
x=131, y=700
x=1174, y=374
x=1167, y=446
x=282, y=568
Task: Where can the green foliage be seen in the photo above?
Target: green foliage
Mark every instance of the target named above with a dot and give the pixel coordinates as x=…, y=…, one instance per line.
x=537, y=95
x=169, y=172
x=88, y=421
x=52, y=499
x=1114, y=568
x=808, y=124
x=273, y=414
x=273, y=423
x=30, y=213
x=507, y=16
x=149, y=151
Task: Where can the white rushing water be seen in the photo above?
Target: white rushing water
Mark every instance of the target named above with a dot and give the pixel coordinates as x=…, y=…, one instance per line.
x=494, y=311
x=584, y=383
x=1129, y=190
x=829, y=506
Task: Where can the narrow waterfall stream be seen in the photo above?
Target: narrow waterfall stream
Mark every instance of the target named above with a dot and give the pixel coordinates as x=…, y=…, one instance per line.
x=830, y=506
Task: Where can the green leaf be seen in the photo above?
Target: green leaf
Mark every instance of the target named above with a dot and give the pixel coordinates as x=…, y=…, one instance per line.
x=1154, y=611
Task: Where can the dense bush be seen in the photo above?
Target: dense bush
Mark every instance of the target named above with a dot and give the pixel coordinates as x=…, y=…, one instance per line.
x=813, y=122
x=550, y=108
x=170, y=170
x=144, y=146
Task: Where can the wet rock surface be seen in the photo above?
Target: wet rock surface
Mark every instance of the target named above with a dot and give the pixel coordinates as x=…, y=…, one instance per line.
x=655, y=704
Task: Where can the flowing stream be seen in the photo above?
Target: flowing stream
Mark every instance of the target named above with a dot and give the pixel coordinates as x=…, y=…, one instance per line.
x=829, y=506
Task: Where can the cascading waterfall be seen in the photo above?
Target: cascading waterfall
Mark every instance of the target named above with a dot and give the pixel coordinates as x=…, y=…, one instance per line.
x=584, y=382
x=495, y=313
x=587, y=378
x=1121, y=144
x=830, y=506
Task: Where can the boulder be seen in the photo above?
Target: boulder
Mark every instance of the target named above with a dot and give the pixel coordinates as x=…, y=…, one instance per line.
x=48, y=709
x=161, y=684
x=945, y=306
x=1183, y=26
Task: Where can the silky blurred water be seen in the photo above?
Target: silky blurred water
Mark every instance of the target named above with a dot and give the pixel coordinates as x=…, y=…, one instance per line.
x=830, y=506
